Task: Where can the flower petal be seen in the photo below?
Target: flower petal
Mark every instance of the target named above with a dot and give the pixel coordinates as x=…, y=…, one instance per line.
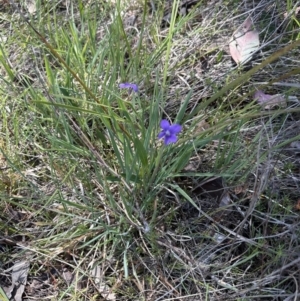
x=170, y=139
x=124, y=85
x=134, y=87
x=175, y=128
x=164, y=124
x=161, y=134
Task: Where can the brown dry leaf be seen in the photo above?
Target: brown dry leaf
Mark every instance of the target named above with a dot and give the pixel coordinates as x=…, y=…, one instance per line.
x=297, y=206
x=240, y=189
x=244, y=42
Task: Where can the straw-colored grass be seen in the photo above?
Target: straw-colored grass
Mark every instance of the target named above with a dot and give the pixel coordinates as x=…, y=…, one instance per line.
x=95, y=204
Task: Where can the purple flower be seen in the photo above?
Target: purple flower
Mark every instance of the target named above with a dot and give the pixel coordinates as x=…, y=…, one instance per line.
x=169, y=131
x=130, y=86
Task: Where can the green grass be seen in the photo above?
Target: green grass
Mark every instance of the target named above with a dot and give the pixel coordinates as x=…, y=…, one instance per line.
x=86, y=185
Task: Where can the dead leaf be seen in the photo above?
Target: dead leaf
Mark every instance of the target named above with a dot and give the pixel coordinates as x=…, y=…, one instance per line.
x=268, y=101
x=19, y=278
x=225, y=199
x=240, y=189
x=297, y=206
x=244, y=42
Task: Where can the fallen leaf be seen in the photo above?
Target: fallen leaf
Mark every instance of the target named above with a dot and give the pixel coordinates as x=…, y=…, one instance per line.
x=240, y=189
x=268, y=101
x=225, y=199
x=297, y=206
x=19, y=278
x=244, y=42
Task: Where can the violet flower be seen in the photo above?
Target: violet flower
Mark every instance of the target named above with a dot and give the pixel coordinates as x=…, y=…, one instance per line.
x=129, y=86
x=169, y=132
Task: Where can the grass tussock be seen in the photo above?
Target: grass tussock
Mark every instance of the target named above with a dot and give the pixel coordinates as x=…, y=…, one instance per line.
x=95, y=205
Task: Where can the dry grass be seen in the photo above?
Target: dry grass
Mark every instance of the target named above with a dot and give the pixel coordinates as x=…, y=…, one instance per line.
x=224, y=226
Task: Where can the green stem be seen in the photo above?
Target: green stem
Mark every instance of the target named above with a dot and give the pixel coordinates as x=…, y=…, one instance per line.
x=157, y=165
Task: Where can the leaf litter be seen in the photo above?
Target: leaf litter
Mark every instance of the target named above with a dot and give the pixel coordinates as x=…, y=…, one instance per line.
x=269, y=102
x=244, y=42
x=241, y=57
x=19, y=273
